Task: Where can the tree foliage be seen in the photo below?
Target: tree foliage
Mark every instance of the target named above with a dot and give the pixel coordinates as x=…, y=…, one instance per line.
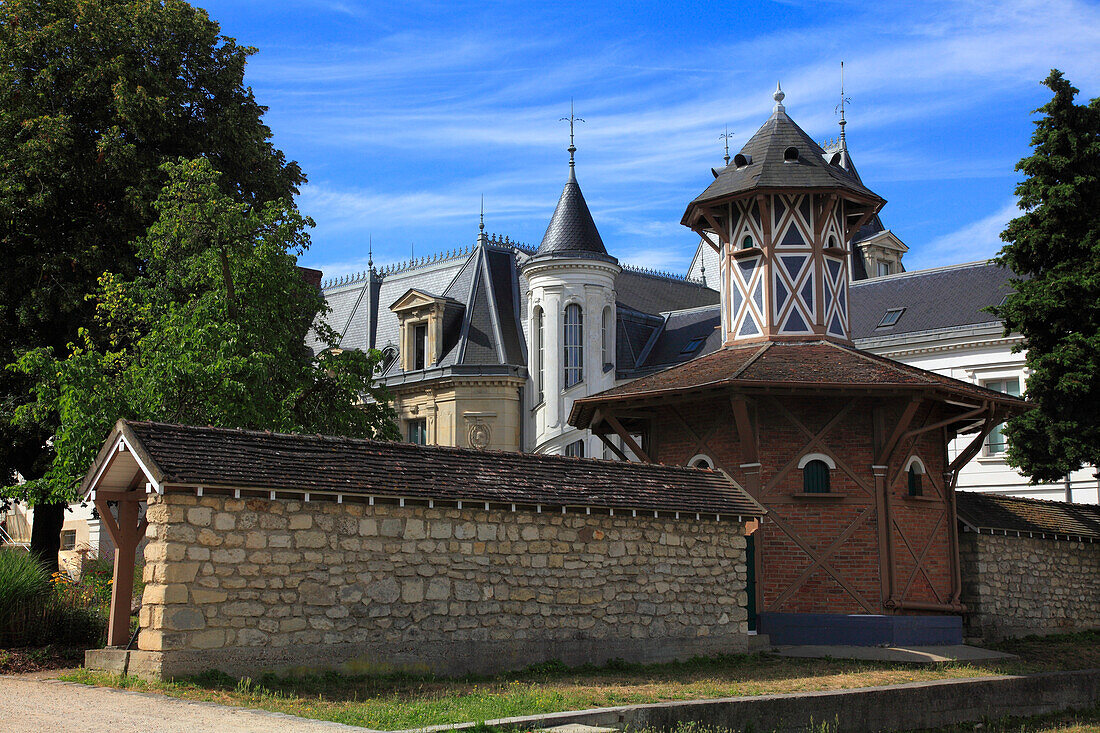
x=210, y=332
x=94, y=98
x=1054, y=249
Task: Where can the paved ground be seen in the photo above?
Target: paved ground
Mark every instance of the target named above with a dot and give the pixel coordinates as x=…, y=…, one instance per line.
x=36, y=706
x=919, y=654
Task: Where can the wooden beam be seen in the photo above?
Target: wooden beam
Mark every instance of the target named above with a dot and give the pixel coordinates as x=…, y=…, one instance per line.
x=614, y=448
x=745, y=434
x=627, y=438
x=903, y=424
x=975, y=445
x=122, y=589
x=108, y=519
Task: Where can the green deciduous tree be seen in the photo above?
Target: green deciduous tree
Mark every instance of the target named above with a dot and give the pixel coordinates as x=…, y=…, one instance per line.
x=211, y=332
x=1054, y=249
x=94, y=98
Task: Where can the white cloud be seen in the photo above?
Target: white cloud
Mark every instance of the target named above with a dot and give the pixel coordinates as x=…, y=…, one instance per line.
x=978, y=240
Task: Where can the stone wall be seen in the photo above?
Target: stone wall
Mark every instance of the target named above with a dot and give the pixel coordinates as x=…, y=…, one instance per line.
x=244, y=585
x=1014, y=586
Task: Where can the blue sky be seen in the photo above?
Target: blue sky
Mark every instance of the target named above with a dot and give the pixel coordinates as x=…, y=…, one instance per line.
x=403, y=114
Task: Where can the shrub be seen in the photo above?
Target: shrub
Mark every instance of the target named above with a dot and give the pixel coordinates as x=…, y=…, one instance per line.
x=24, y=589
x=36, y=609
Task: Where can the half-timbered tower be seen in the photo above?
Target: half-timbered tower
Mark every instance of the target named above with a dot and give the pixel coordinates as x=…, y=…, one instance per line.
x=848, y=451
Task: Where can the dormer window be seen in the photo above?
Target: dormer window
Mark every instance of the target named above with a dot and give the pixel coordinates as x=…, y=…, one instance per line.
x=741, y=160
x=421, y=318
x=747, y=242
x=890, y=318
x=790, y=155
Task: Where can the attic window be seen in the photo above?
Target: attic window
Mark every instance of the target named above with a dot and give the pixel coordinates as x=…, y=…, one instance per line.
x=891, y=317
x=747, y=243
x=693, y=345
x=790, y=155
x=836, y=160
x=741, y=160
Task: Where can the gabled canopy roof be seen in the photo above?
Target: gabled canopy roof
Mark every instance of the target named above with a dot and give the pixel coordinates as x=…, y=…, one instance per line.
x=572, y=232
x=808, y=367
x=767, y=168
x=180, y=457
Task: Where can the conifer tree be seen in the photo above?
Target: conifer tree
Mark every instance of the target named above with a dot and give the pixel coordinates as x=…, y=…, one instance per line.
x=1054, y=250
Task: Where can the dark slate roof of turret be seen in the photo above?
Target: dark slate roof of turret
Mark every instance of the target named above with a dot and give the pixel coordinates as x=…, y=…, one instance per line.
x=571, y=232
x=768, y=169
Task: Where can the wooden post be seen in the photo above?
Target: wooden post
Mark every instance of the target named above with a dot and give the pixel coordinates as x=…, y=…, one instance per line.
x=127, y=533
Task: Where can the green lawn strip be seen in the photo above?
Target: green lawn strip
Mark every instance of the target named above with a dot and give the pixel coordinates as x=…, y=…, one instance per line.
x=404, y=701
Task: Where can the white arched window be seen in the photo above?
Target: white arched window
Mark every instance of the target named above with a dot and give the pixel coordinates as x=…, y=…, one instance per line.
x=540, y=354
x=914, y=471
x=573, y=348
x=605, y=338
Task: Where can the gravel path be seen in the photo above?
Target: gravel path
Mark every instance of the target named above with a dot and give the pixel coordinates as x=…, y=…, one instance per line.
x=35, y=706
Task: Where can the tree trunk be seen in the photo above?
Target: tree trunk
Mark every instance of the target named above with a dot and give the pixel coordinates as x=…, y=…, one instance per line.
x=46, y=534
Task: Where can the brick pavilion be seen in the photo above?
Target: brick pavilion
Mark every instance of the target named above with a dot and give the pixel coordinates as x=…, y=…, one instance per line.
x=847, y=451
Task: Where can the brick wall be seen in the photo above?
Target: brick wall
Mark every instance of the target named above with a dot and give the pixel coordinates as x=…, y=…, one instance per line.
x=849, y=579
x=247, y=584
x=1015, y=586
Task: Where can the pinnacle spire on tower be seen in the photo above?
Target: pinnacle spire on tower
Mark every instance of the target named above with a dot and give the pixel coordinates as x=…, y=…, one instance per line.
x=840, y=110
x=571, y=119
x=778, y=96
x=726, y=136
x=482, y=237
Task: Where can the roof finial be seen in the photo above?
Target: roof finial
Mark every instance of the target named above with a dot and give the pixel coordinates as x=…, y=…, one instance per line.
x=840, y=109
x=482, y=238
x=727, y=136
x=778, y=97
x=571, y=119
x=370, y=252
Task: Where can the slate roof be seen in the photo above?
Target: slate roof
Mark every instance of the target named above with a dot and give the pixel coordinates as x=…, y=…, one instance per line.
x=805, y=365
x=571, y=231
x=768, y=169
x=652, y=293
x=982, y=511
x=208, y=456
x=945, y=297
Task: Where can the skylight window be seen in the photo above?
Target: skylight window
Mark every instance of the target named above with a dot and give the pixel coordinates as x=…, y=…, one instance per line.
x=891, y=317
x=694, y=345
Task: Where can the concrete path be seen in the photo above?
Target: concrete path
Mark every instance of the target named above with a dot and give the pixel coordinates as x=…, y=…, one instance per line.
x=918, y=654
x=35, y=706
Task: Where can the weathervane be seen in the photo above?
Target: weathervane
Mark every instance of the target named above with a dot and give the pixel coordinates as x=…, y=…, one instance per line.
x=840, y=110
x=727, y=136
x=571, y=119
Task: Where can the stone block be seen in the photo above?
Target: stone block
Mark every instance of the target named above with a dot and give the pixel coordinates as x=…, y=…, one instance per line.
x=224, y=521
x=300, y=521
x=200, y=516
x=315, y=594
x=155, y=594
x=182, y=618
x=310, y=539
x=208, y=639
x=383, y=591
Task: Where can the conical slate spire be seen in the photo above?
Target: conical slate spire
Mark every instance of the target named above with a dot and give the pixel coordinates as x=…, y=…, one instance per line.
x=572, y=232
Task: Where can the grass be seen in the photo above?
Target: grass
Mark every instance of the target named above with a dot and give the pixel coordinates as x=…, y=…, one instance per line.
x=403, y=701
